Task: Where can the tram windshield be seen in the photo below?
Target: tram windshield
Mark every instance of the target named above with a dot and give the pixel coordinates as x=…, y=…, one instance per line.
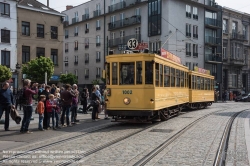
x=127, y=73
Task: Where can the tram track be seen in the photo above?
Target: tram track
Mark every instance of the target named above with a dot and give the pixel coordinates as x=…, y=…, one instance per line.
x=87, y=132
x=221, y=154
x=166, y=143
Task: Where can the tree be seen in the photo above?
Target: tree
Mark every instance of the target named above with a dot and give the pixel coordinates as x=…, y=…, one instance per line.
x=68, y=79
x=5, y=73
x=95, y=82
x=36, y=68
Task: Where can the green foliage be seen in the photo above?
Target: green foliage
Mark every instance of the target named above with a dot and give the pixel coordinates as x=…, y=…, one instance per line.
x=96, y=82
x=103, y=80
x=36, y=68
x=5, y=73
x=68, y=79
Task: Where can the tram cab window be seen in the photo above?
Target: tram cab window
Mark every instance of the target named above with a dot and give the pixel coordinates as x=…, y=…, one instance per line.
x=202, y=83
x=114, y=74
x=107, y=73
x=172, y=77
x=177, y=76
x=198, y=82
x=149, y=72
x=161, y=76
x=166, y=76
x=127, y=73
x=138, y=72
x=157, y=79
x=182, y=78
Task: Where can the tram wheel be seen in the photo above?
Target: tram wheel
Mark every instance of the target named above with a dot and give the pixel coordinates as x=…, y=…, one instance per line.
x=163, y=116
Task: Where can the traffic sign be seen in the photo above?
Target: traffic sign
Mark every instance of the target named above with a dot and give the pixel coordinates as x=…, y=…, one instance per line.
x=132, y=43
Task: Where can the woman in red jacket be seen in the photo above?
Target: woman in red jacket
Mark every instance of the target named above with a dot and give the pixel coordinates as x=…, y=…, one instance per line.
x=51, y=106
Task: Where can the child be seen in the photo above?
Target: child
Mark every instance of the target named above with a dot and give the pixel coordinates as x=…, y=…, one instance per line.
x=51, y=106
x=40, y=111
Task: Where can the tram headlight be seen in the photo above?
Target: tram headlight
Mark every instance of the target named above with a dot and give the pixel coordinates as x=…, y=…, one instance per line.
x=151, y=101
x=126, y=100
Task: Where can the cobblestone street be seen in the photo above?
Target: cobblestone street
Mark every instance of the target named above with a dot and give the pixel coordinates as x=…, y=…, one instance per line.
x=107, y=143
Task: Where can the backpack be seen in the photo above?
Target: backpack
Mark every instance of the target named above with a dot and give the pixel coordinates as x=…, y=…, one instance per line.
x=21, y=99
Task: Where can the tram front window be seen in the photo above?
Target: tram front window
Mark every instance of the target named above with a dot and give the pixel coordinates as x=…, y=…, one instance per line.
x=127, y=73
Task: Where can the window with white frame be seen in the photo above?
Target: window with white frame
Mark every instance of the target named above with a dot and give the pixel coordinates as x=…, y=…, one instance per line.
x=66, y=33
x=76, y=58
x=86, y=58
x=188, y=30
x=224, y=52
x=76, y=16
x=122, y=33
x=195, y=32
x=244, y=30
x=195, y=50
x=188, y=11
x=234, y=80
x=67, y=18
x=87, y=11
x=98, y=27
x=66, y=61
x=98, y=56
x=225, y=26
x=4, y=9
x=188, y=64
x=137, y=11
x=87, y=28
x=97, y=39
x=234, y=27
x=86, y=41
x=138, y=31
x=112, y=20
x=76, y=73
x=238, y=51
x=86, y=72
x=76, y=45
x=112, y=35
x=98, y=72
x=195, y=13
x=76, y=31
x=188, y=49
x=66, y=47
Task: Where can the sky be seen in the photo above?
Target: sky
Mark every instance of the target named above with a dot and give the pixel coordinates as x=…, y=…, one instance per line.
x=240, y=5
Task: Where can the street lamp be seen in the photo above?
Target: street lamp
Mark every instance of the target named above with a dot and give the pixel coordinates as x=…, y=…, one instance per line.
x=18, y=67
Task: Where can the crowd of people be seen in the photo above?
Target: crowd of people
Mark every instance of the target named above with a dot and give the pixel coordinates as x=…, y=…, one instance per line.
x=54, y=104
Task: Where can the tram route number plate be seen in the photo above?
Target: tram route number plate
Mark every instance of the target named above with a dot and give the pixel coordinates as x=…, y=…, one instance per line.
x=127, y=92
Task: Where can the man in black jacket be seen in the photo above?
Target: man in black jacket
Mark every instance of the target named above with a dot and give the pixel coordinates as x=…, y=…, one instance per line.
x=6, y=103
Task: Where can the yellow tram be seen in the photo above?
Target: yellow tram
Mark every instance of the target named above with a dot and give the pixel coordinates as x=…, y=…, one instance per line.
x=145, y=87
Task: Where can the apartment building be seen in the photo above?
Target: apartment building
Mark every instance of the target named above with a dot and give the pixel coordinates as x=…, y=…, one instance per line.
x=236, y=49
x=8, y=37
x=40, y=34
x=193, y=33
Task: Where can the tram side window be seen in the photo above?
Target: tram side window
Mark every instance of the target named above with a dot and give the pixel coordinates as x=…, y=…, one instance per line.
x=149, y=72
x=177, y=76
x=108, y=73
x=157, y=74
x=208, y=84
x=187, y=83
x=161, y=76
x=166, y=76
x=114, y=74
x=198, y=82
x=182, y=78
x=202, y=83
x=138, y=72
x=193, y=82
x=172, y=77
x=127, y=74
x=205, y=83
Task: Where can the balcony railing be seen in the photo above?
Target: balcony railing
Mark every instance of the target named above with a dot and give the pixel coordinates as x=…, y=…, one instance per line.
x=98, y=28
x=76, y=63
x=96, y=13
x=66, y=36
x=66, y=50
x=86, y=46
x=66, y=64
x=76, y=34
x=212, y=40
x=211, y=3
x=195, y=54
x=237, y=36
x=188, y=34
x=76, y=48
x=136, y=19
x=85, y=17
x=212, y=58
x=98, y=76
x=86, y=61
x=98, y=44
x=236, y=61
x=98, y=60
x=195, y=36
x=213, y=22
x=188, y=53
x=188, y=14
x=123, y=40
x=87, y=31
x=86, y=76
x=75, y=20
x=122, y=5
x=195, y=16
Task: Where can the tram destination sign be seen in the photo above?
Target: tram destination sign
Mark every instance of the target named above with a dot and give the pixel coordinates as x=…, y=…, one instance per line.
x=200, y=70
x=132, y=43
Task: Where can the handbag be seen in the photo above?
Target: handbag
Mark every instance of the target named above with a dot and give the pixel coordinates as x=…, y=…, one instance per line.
x=95, y=103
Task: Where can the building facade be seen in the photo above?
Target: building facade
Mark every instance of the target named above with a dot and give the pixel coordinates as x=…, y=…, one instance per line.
x=236, y=49
x=40, y=34
x=8, y=38
x=194, y=33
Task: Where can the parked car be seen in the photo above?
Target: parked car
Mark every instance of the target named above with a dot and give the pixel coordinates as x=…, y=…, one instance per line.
x=243, y=97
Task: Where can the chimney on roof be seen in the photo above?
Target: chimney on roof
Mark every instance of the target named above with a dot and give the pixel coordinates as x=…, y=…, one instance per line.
x=48, y=3
x=69, y=7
